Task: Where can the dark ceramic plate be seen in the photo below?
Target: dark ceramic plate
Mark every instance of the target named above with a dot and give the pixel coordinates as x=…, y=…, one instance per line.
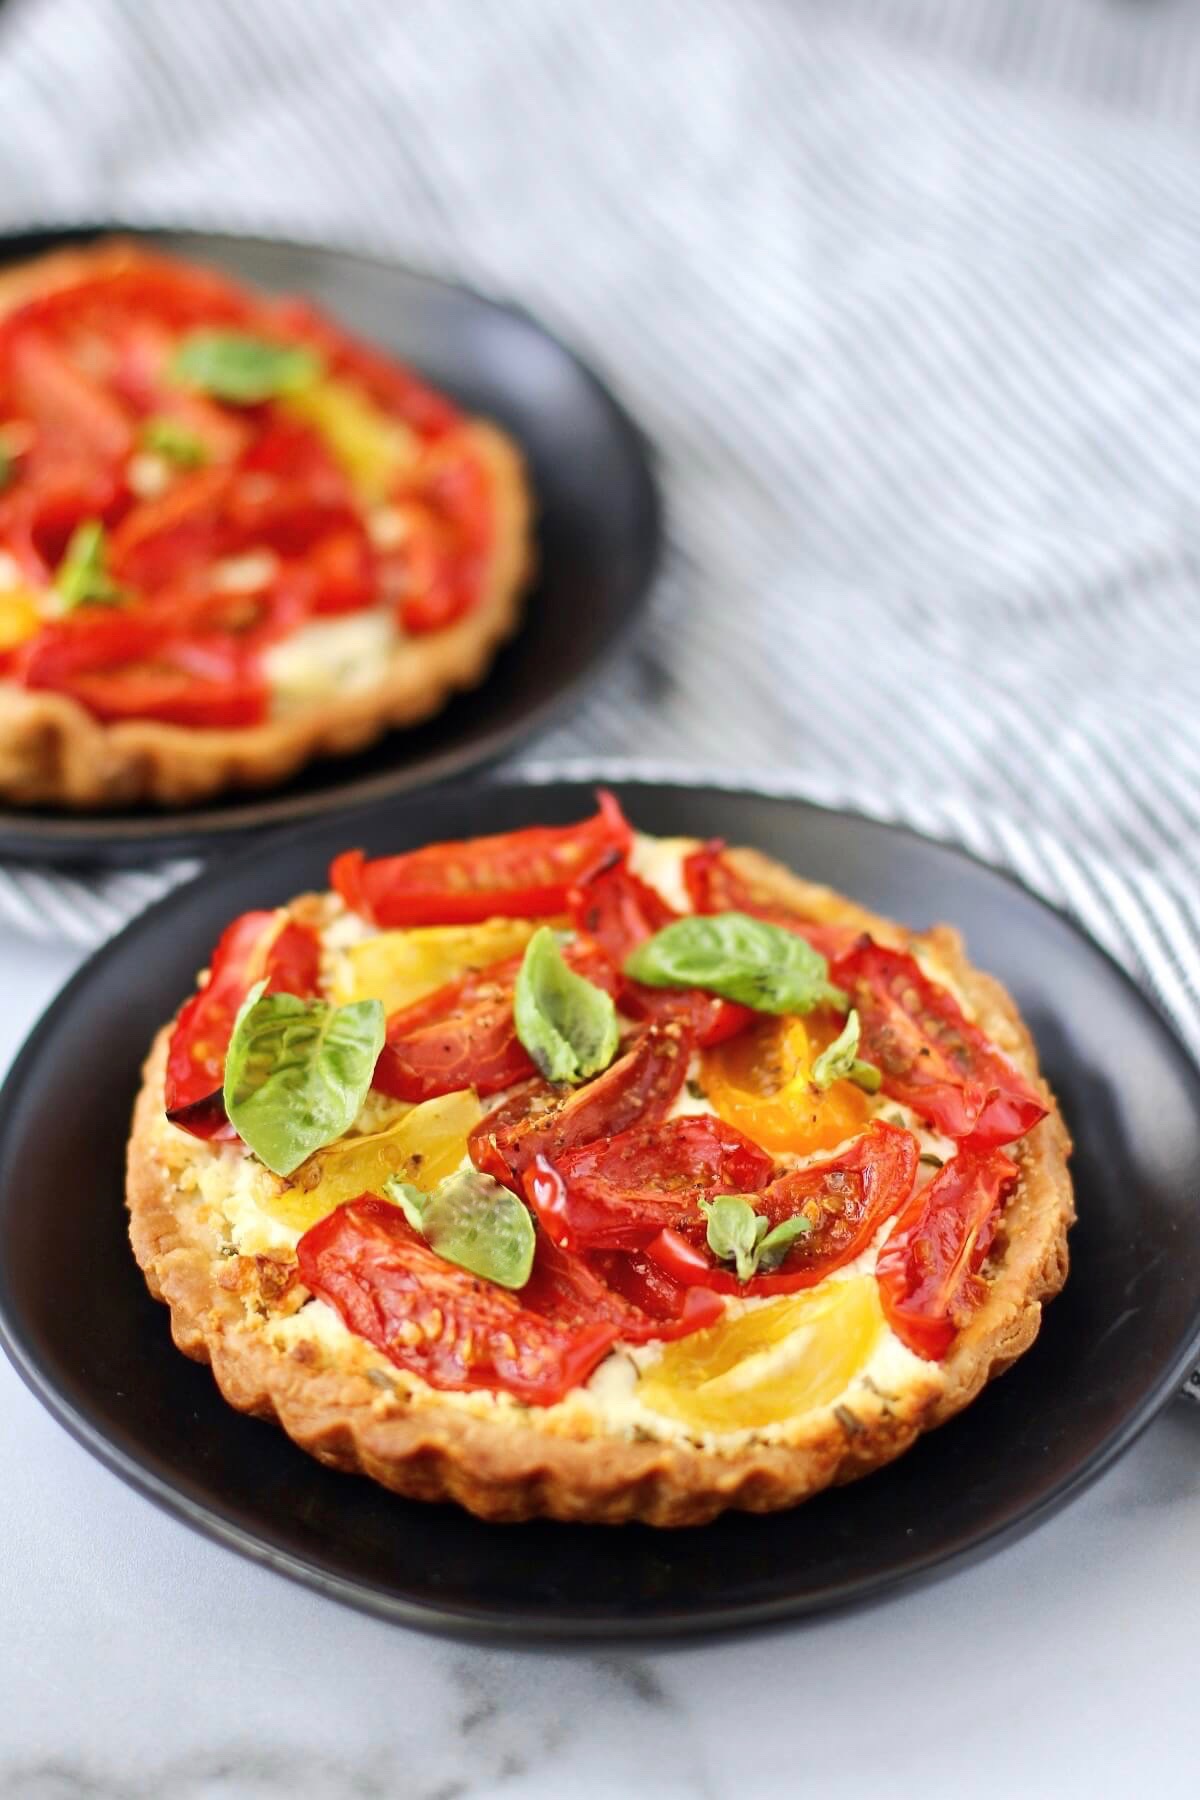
x=598, y=534
x=78, y=1322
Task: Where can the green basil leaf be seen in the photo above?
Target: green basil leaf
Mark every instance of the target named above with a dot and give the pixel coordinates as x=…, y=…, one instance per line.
x=567, y=1024
x=734, y=1232
x=82, y=577
x=840, y=1060
x=776, y=1244
x=737, y=1234
x=472, y=1221
x=408, y=1198
x=297, y=1072
x=167, y=437
x=233, y=366
x=739, y=957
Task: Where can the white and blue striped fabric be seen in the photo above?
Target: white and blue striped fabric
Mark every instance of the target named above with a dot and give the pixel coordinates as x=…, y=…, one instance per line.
x=907, y=294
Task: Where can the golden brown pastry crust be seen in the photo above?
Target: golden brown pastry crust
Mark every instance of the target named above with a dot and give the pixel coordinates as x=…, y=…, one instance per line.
x=54, y=753
x=362, y=1414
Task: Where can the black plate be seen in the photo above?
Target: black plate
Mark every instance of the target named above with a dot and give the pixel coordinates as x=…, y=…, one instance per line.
x=598, y=533
x=78, y=1323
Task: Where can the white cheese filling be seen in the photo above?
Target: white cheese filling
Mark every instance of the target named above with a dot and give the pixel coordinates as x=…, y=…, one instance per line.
x=335, y=655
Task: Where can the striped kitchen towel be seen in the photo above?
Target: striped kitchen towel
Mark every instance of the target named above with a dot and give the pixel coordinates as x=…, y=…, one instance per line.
x=903, y=290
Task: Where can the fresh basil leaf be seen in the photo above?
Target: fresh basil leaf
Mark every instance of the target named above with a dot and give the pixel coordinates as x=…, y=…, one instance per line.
x=297, y=1072
x=737, y=1234
x=82, y=577
x=840, y=1060
x=734, y=1232
x=776, y=1244
x=167, y=437
x=739, y=957
x=472, y=1221
x=567, y=1024
x=233, y=366
x=408, y=1198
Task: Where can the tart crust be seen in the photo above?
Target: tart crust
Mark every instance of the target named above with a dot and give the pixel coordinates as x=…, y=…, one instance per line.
x=53, y=752
x=357, y=1412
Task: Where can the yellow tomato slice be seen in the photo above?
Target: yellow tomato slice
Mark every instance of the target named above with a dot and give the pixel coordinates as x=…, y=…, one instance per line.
x=423, y=1147
x=372, y=448
x=19, y=617
x=399, y=967
x=760, y=1081
x=777, y=1360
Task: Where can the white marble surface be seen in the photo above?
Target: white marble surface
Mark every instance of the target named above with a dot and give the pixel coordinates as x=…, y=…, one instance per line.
x=139, y=1662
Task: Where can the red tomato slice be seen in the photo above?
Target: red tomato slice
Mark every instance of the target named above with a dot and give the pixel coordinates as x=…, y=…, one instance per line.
x=172, y=695
x=928, y=1269
x=847, y=1199
x=540, y=1121
x=464, y=1035
x=255, y=947
x=343, y=571
x=48, y=387
x=517, y=874
x=439, y=1322
x=620, y=911
x=161, y=540
x=714, y=885
x=619, y=1192
x=624, y=1292
x=676, y=1309
x=933, y=1059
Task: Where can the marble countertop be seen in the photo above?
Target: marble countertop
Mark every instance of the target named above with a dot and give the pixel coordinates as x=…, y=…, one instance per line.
x=140, y=1662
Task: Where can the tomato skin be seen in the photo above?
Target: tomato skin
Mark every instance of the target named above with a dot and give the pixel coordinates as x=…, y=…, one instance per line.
x=435, y=1320
x=515, y=874
x=620, y=1290
x=848, y=1198
x=390, y=384
x=618, y=909
x=619, y=1192
x=464, y=1034
x=714, y=885
x=289, y=961
x=932, y=1058
x=928, y=1268
x=639, y=1088
x=48, y=387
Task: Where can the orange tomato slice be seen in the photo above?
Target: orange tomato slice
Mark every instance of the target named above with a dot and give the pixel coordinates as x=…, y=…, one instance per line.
x=761, y=1081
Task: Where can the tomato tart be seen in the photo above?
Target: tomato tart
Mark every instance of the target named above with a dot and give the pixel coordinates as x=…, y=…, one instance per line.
x=580, y=1174
x=233, y=537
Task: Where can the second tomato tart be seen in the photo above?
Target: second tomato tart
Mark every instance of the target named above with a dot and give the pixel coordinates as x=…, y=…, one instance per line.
x=578, y=1174
x=233, y=537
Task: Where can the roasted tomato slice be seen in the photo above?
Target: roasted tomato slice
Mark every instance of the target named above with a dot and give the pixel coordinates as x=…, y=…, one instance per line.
x=50, y=388
x=762, y=1083
x=541, y=1121
x=619, y=910
x=714, y=885
x=518, y=874
x=625, y=1291
x=933, y=1059
x=464, y=1035
x=619, y=1192
x=846, y=1199
x=441, y=1323
x=928, y=1269
x=255, y=947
